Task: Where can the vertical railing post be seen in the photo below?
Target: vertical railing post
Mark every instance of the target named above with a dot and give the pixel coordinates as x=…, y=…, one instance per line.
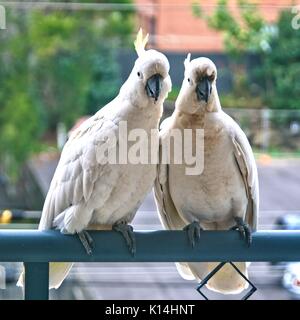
x=36, y=280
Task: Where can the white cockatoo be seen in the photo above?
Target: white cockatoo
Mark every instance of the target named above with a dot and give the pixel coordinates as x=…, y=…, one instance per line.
x=225, y=194
x=88, y=192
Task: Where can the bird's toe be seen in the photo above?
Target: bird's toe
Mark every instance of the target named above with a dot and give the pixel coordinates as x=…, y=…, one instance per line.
x=193, y=231
x=127, y=232
x=86, y=241
x=244, y=229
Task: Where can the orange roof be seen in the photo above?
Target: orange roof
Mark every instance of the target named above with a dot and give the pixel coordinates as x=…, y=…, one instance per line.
x=173, y=27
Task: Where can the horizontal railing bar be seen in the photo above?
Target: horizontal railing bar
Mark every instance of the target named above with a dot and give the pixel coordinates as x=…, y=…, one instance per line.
x=152, y=246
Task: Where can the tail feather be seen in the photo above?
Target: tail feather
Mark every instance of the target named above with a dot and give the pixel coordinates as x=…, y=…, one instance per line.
x=184, y=270
x=58, y=271
x=226, y=280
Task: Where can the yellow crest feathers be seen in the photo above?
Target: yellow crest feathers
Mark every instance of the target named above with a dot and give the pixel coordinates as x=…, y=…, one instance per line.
x=187, y=60
x=140, y=42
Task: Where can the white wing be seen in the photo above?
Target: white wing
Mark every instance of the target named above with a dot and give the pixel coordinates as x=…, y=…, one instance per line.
x=78, y=169
x=247, y=166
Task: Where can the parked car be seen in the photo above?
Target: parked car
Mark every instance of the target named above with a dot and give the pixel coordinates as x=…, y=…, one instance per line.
x=291, y=279
x=291, y=273
x=9, y=272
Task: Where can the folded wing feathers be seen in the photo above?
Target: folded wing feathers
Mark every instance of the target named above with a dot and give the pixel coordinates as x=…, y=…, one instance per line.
x=247, y=166
x=77, y=171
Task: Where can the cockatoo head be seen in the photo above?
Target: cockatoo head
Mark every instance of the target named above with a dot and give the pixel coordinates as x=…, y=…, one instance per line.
x=199, y=85
x=149, y=80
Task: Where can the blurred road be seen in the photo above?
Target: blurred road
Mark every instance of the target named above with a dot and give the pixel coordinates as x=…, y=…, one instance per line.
x=279, y=185
x=279, y=191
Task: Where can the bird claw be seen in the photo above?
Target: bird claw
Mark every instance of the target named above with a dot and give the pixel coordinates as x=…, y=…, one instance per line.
x=244, y=229
x=193, y=231
x=86, y=240
x=127, y=232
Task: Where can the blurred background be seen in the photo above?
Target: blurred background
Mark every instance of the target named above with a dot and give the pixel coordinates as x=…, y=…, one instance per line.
x=60, y=62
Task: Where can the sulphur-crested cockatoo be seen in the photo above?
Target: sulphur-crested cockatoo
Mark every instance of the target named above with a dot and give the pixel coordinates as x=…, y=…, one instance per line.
x=90, y=190
x=225, y=194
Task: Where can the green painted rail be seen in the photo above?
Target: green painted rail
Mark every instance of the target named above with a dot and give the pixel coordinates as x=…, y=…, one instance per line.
x=36, y=249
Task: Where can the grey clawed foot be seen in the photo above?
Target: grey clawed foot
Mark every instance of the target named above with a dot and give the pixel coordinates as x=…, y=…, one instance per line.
x=86, y=241
x=244, y=230
x=127, y=232
x=193, y=231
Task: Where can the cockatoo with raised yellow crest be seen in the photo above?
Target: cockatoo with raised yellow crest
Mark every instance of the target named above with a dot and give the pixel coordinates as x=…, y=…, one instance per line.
x=86, y=191
x=225, y=194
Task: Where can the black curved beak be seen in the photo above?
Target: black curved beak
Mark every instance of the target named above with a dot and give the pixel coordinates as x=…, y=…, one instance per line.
x=203, y=89
x=153, y=86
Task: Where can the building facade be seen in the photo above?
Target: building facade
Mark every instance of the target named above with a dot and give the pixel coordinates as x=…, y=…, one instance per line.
x=173, y=26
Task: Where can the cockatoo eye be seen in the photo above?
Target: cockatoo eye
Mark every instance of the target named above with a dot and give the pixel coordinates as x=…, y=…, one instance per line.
x=189, y=80
x=211, y=78
x=139, y=74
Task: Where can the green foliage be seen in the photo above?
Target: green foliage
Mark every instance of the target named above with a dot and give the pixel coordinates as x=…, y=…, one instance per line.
x=61, y=67
x=278, y=46
x=105, y=78
x=232, y=100
x=18, y=135
x=55, y=67
x=243, y=33
x=243, y=94
x=172, y=96
x=20, y=125
x=281, y=66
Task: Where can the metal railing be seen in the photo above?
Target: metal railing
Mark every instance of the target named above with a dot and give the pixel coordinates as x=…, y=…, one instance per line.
x=36, y=249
